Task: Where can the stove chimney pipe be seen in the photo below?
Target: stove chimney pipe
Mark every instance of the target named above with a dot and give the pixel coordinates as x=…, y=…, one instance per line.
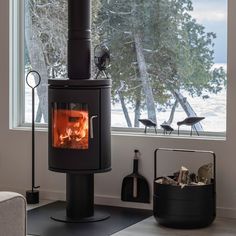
x=79, y=41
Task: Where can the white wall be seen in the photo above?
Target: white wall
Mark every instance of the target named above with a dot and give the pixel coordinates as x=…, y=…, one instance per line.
x=15, y=154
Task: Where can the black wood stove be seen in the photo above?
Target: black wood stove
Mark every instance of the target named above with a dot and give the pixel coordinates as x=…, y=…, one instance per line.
x=79, y=121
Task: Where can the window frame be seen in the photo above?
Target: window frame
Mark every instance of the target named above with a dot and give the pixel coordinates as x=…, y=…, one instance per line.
x=17, y=100
x=17, y=84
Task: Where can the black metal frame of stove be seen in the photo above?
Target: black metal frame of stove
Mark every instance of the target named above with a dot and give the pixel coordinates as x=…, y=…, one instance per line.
x=81, y=164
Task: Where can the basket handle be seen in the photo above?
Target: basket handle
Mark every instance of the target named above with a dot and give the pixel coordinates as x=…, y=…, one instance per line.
x=184, y=150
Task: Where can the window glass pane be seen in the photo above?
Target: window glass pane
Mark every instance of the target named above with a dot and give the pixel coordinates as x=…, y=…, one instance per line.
x=168, y=58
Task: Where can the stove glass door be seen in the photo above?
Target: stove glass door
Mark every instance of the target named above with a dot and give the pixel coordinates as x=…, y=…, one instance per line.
x=70, y=124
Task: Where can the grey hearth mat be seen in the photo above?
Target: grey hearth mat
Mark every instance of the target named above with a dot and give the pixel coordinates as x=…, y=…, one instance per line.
x=40, y=223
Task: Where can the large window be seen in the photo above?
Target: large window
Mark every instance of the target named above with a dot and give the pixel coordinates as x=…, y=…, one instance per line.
x=169, y=58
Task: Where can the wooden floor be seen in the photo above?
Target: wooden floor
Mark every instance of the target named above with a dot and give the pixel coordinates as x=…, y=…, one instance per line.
x=149, y=227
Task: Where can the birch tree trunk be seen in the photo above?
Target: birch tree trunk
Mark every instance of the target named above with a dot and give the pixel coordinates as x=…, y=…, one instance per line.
x=187, y=108
x=36, y=56
x=172, y=113
x=137, y=110
x=124, y=108
x=144, y=76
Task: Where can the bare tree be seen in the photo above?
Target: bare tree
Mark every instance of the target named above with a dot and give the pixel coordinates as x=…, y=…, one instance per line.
x=45, y=38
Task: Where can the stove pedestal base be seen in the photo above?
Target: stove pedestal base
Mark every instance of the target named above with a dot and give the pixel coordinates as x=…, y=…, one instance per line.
x=80, y=200
x=98, y=216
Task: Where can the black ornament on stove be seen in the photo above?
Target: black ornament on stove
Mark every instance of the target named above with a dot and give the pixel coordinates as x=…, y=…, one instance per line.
x=101, y=59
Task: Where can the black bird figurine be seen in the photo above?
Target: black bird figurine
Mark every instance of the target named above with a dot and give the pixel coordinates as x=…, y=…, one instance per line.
x=166, y=128
x=148, y=123
x=190, y=121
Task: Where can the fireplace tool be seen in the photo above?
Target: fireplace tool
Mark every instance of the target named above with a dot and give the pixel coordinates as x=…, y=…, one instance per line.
x=135, y=187
x=32, y=196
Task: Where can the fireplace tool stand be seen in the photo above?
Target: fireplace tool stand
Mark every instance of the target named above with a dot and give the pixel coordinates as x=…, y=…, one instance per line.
x=80, y=201
x=32, y=196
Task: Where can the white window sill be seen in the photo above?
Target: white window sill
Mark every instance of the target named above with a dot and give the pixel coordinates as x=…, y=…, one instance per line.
x=186, y=135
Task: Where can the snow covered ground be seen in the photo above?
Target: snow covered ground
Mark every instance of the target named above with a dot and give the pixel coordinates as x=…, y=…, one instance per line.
x=213, y=109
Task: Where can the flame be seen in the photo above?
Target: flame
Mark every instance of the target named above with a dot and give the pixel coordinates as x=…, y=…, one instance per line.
x=70, y=129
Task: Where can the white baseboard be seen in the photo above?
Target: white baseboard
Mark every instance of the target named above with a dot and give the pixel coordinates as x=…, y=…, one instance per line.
x=111, y=201
x=116, y=201
x=98, y=199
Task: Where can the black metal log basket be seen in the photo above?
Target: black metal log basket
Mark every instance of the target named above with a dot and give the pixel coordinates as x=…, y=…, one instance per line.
x=185, y=208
